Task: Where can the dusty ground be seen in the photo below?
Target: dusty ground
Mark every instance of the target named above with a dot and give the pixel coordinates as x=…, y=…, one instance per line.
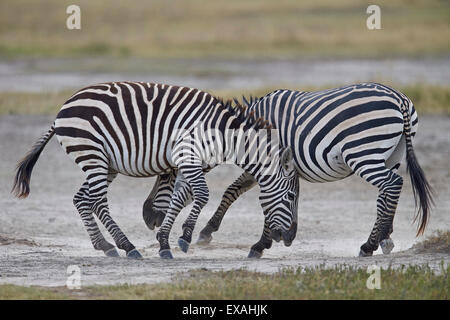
x=43, y=234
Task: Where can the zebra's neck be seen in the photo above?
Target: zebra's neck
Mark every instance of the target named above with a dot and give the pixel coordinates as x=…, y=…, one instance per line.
x=249, y=144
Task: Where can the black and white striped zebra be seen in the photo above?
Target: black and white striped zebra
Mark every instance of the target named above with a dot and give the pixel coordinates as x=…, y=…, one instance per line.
x=144, y=129
x=361, y=129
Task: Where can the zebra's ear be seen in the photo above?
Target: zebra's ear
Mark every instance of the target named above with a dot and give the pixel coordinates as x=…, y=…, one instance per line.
x=286, y=157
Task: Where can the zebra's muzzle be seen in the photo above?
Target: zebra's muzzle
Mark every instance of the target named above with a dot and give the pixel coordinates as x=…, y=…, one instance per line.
x=287, y=236
x=276, y=235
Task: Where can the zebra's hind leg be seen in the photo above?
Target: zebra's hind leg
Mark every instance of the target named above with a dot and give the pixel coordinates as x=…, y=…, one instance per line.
x=265, y=242
x=389, y=185
x=98, y=180
x=387, y=244
x=82, y=203
x=242, y=184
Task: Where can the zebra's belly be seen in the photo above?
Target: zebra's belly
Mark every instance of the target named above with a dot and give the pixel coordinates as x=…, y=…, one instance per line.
x=134, y=162
x=141, y=163
x=339, y=172
x=141, y=171
x=321, y=164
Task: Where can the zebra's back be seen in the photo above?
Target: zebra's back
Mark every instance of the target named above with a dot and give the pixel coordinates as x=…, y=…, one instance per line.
x=129, y=125
x=330, y=129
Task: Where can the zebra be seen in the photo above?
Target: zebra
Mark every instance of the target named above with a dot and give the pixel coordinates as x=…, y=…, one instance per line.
x=143, y=129
x=362, y=129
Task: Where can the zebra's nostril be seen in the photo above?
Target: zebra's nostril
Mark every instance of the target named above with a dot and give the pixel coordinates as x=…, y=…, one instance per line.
x=276, y=235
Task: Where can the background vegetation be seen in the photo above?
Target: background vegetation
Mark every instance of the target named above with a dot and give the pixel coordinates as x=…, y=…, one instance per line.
x=426, y=98
x=226, y=28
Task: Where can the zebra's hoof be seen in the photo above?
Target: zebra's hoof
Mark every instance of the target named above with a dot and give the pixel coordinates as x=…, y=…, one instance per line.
x=183, y=244
x=165, y=254
x=134, y=254
x=112, y=253
x=365, y=254
x=253, y=254
x=387, y=245
x=204, y=239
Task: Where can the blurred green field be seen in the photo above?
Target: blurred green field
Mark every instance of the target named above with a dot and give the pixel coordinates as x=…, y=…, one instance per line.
x=426, y=99
x=342, y=282
x=227, y=28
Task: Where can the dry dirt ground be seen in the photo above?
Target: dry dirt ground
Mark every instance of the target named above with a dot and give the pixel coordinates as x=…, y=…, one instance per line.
x=43, y=234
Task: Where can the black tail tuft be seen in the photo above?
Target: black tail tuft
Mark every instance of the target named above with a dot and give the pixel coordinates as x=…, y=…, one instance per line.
x=21, y=186
x=423, y=192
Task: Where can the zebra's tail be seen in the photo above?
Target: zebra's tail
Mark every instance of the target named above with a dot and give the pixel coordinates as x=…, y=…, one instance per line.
x=21, y=187
x=422, y=190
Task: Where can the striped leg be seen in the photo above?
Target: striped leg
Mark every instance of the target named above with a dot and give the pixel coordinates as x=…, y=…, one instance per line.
x=195, y=178
x=157, y=202
x=98, y=180
x=389, y=185
x=159, y=199
x=264, y=243
x=387, y=244
x=83, y=205
x=244, y=183
x=177, y=203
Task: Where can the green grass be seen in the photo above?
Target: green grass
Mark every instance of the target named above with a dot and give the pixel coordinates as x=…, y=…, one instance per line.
x=33, y=103
x=225, y=28
x=341, y=282
x=13, y=292
x=426, y=99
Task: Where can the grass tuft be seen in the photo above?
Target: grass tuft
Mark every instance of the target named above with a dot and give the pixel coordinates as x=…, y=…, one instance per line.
x=439, y=242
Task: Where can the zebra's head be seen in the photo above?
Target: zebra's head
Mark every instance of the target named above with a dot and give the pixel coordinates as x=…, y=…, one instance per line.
x=273, y=168
x=279, y=198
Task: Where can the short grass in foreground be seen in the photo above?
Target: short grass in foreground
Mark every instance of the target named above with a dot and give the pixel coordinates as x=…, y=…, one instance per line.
x=426, y=99
x=341, y=282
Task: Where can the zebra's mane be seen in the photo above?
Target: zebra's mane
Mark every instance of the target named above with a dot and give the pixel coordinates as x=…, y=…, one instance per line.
x=241, y=112
x=251, y=101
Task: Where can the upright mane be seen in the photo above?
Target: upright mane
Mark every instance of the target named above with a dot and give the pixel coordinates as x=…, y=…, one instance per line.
x=242, y=113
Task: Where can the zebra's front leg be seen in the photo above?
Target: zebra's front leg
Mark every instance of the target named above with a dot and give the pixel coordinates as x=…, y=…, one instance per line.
x=177, y=203
x=196, y=179
x=265, y=242
x=390, y=187
x=244, y=183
